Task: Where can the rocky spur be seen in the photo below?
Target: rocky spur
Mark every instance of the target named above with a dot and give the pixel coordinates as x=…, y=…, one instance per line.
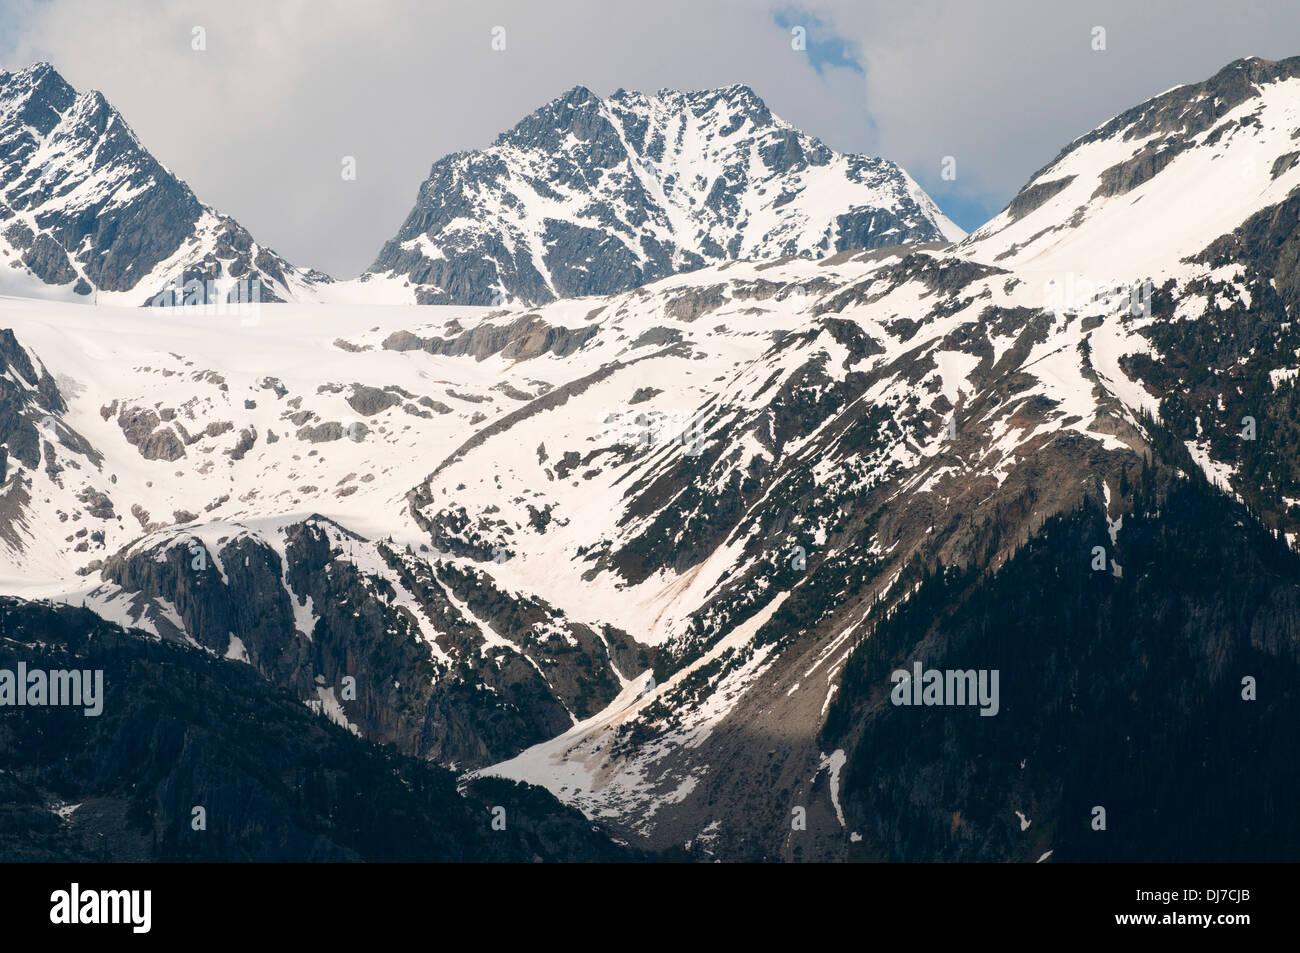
x=38, y=687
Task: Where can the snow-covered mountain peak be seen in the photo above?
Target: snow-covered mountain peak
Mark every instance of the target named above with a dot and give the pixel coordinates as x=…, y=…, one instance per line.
x=84, y=207
x=1159, y=181
x=595, y=196
x=35, y=96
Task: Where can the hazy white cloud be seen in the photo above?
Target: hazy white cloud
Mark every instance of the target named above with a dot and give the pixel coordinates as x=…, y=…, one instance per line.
x=1004, y=85
x=258, y=123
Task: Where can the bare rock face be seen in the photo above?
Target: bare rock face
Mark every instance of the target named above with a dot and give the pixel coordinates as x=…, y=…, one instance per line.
x=333, y=430
x=145, y=431
x=437, y=406
x=247, y=438
x=274, y=385
x=405, y=694
x=48, y=261
x=24, y=409
x=368, y=401
x=321, y=433
x=695, y=302
x=525, y=337
x=98, y=504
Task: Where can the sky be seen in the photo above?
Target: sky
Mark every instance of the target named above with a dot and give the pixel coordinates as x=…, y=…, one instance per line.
x=258, y=121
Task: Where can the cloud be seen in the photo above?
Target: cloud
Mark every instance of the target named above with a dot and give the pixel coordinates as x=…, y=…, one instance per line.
x=259, y=122
x=826, y=50
x=1003, y=85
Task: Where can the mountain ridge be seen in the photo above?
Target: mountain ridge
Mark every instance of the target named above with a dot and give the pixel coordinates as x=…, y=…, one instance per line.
x=85, y=207
x=615, y=174
x=637, y=548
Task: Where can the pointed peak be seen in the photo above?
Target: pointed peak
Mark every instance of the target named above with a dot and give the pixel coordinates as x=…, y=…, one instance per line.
x=37, y=70
x=578, y=94
x=96, y=100
x=37, y=96
x=38, y=74
x=742, y=92
x=574, y=98
x=555, y=115
x=738, y=99
x=737, y=94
